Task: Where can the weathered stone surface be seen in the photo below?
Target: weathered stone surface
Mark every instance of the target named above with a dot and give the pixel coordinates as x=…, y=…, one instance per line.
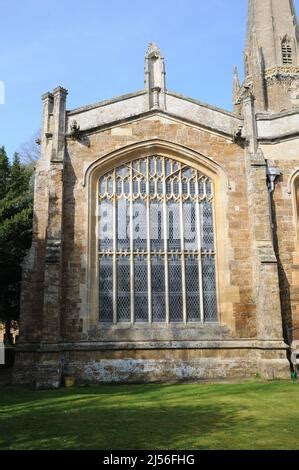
x=257, y=272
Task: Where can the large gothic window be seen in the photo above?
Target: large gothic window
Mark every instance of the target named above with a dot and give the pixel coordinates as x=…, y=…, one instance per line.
x=156, y=243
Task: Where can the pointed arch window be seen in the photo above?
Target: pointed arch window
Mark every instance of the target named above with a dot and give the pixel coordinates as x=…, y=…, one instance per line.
x=156, y=243
x=287, y=52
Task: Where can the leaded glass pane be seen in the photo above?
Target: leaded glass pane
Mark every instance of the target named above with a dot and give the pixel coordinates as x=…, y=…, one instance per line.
x=156, y=226
x=158, y=289
x=176, y=187
x=208, y=187
x=123, y=171
x=152, y=187
x=209, y=289
x=110, y=185
x=106, y=225
x=106, y=289
x=119, y=186
x=207, y=232
x=168, y=187
x=139, y=225
x=123, y=225
x=187, y=173
x=192, y=188
x=160, y=187
x=135, y=188
x=152, y=166
x=185, y=186
x=175, y=289
x=143, y=186
x=168, y=167
x=174, y=231
x=123, y=289
x=159, y=166
x=192, y=289
x=201, y=187
x=102, y=186
x=190, y=232
x=141, y=289
x=143, y=167
x=135, y=166
x=176, y=166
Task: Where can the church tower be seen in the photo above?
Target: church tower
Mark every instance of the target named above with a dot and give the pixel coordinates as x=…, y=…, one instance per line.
x=271, y=57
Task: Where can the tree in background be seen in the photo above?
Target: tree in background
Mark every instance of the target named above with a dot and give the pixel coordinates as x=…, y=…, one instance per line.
x=16, y=203
x=30, y=151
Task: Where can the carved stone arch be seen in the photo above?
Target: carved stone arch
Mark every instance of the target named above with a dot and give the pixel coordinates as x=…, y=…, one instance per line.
x=147, y=147
x=291, y=180
x=179, y=153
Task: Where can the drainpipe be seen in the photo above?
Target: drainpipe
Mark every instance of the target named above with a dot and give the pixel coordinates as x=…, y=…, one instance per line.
x=272, y=174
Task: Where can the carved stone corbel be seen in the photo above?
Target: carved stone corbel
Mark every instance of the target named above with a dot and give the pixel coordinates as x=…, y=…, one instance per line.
x=239, y=137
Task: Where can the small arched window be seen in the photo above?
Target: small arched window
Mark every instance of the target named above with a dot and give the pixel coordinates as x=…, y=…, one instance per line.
x=287, y=52
x=156, y=243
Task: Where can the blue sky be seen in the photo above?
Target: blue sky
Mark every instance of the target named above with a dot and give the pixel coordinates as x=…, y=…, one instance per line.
x=95, y=49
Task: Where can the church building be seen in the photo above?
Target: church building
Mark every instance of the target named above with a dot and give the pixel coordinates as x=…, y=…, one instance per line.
x=166, y=231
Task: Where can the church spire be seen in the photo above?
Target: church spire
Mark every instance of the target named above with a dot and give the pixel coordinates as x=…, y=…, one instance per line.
x=271, y=56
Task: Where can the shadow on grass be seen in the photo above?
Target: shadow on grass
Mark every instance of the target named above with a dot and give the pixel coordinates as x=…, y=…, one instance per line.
x=129, y=417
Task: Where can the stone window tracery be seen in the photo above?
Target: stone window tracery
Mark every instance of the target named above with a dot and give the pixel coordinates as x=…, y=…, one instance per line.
x=156, y=243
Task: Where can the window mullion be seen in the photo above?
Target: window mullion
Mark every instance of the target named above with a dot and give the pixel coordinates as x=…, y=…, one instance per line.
x=114, y=268
x=199, y=229
x=132, y=287
x=165, y=235
x=182, y=230
x=149, y=271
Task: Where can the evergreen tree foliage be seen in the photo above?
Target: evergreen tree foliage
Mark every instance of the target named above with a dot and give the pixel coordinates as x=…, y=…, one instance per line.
x=16, y=203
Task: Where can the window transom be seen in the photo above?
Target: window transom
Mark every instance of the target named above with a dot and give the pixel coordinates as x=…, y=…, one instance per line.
x=156, y=243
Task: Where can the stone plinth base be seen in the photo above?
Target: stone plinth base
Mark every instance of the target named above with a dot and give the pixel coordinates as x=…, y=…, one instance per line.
x=150, y=362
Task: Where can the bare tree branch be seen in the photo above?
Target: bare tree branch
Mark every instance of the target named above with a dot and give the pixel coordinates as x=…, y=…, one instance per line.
x=30, y=151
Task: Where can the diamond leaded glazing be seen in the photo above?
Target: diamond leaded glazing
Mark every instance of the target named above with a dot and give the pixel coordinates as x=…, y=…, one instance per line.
x=156, y=243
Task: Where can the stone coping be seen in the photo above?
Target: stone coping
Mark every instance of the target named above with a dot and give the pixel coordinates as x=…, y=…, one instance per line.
x=128, y=96
x=99, y=104
x=272, y=116
x=102, y=345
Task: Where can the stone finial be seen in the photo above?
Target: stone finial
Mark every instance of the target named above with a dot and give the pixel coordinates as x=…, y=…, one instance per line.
x=236, y=85
x=47, y=97
x=153, y=50
x=58, y=124
x=60, y=91
x=236, y=91
x=48, y=103
x=155, y=77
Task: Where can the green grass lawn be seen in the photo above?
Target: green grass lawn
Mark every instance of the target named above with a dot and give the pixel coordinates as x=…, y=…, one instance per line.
x=250, y=415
